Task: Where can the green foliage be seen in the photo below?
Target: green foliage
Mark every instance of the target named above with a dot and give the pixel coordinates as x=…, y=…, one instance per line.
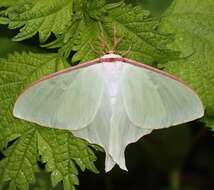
x=156, y=7
x=59, y=149
x=20, y=162
x=186, y=27
x=193, y=21
x=9, y=46
x=40, y=16
x=43, y=182
x=70, y=20
x=7, y=3
x=133, y=23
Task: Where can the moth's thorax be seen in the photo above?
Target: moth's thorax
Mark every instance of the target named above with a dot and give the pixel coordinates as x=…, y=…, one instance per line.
x=112, y=69
x=112, y=72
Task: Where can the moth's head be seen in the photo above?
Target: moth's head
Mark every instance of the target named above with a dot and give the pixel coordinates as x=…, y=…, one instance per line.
x=105, y=49
x=111, y=55
x=111, y=52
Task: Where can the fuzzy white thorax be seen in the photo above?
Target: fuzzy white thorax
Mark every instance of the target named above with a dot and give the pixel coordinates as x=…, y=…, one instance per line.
x=112, y=73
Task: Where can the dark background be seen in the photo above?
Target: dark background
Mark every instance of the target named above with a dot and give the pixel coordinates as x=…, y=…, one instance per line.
x=178, y=158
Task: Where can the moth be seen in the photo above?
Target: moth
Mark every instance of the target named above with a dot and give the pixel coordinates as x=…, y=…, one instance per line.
x=111, y=101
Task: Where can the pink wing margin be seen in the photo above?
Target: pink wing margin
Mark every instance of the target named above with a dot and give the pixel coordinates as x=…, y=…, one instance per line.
x=108, y=60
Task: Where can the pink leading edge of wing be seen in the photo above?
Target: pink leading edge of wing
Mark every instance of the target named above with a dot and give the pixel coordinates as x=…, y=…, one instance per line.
x=109, y=60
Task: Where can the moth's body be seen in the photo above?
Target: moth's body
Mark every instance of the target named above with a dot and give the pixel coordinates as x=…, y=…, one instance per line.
x=112, y=73
x=110, y=101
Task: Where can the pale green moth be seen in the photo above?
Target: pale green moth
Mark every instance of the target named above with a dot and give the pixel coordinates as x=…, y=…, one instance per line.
x=110, y=101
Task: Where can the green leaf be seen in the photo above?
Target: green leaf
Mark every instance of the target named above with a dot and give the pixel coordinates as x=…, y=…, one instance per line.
x=156, y=7
x=40, y=16
x=209, y=120
x=21, y=162
x=15, y=73
x=4, y=20
x=59, y=149
x=134, y=24
x=7, y=46
x=7, y=3
x=43, y=182
x=193, y=21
